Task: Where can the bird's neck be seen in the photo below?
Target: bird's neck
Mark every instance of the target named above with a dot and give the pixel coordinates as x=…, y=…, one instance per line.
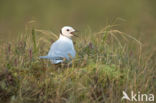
x=63, y=37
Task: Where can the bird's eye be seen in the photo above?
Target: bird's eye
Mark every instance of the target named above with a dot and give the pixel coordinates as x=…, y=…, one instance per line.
x=67, y=29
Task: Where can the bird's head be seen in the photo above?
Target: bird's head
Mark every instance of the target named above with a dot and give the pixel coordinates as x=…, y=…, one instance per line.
x=68, y=31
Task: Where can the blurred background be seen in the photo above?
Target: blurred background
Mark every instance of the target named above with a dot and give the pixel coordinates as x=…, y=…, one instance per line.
x=135, y=17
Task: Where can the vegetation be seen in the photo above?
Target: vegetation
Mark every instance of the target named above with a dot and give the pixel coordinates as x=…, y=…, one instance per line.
x=107, y=63
x=115, y=50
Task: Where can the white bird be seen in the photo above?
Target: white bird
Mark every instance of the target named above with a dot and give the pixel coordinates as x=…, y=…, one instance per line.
x=63, y=48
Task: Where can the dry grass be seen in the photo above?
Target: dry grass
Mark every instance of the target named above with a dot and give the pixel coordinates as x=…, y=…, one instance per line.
x=107, y=63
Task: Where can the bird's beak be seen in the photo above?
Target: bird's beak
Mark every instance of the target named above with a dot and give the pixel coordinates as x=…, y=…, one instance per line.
x=73, y=33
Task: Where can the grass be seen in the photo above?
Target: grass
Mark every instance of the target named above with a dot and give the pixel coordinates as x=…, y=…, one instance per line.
x=107, y=63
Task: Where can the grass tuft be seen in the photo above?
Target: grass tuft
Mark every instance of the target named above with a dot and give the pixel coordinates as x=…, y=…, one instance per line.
x=106, y=63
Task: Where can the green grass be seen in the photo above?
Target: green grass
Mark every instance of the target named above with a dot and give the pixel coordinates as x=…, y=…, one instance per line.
x=107, y=63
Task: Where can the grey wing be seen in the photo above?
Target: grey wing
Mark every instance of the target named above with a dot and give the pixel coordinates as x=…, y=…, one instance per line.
x=50, y=57
x=62, y=49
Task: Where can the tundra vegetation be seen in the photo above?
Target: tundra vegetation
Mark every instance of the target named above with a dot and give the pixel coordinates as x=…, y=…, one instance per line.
x=115, y=51
x=104, y=66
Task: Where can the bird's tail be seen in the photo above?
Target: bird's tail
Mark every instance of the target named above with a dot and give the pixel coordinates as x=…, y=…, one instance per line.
x=45, y=57
x=51, y=58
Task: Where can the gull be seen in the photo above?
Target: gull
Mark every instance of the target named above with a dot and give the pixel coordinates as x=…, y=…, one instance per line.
x=62, y=49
